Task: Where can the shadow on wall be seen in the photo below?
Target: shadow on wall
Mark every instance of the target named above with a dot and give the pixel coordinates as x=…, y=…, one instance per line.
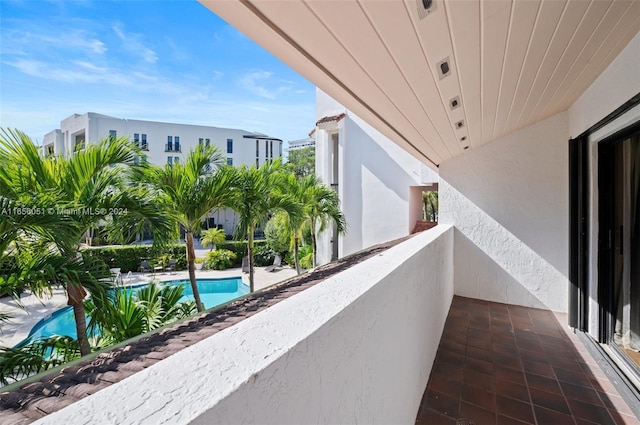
x=521, y=182
x=492, y=263
x=367, y=162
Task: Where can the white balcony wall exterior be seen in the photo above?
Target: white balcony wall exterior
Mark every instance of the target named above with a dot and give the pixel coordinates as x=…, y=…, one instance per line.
x=356, y=348
x=509, y=203
x=616, y=85
x=375, y=180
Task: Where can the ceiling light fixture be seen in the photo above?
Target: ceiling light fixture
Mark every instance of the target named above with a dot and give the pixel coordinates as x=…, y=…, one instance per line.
x=444, y=68
x=454, y=103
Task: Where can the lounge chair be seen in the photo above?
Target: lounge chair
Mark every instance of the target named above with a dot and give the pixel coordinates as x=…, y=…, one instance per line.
x=171, y=266
x=277, y=262
x=145, y=267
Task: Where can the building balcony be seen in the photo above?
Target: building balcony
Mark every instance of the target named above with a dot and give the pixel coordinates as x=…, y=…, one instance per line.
x=172, y=148
x=380, y=340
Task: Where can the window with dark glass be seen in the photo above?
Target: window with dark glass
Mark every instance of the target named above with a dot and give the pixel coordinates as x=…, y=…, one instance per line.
x=145, y=146
x=229, y=145
x=207, y=142
x=176, y=144
x=229, y=161
x=169, y=146
x=136, y=139
x=170, y=160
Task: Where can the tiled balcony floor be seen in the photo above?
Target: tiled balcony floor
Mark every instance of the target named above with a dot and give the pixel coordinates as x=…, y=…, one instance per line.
x=505, y=364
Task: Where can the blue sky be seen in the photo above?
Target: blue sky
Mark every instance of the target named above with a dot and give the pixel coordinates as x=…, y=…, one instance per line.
x=154, y=60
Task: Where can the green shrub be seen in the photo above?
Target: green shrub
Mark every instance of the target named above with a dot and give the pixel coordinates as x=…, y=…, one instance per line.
x=220, y=259
x=128, y=258
x=305, y=256
x=277, y=233
x=263, y=255
x=240, y=248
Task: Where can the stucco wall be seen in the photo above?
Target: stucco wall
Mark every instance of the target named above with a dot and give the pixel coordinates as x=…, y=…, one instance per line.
x=509, y=202
x=376, y=177
x=616, y=85
x=357, y=348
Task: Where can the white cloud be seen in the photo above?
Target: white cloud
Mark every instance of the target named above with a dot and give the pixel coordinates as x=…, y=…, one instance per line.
x=132, y=43
x=261, y=84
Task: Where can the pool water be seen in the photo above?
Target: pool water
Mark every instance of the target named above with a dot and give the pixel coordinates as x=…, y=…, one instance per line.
x=213, y=292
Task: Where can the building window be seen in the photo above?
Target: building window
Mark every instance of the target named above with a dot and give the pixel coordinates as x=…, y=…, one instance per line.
x=229, y=145
x=170, y=160
x=207, y=142
x=112, y=134
x=257, y=149
x=257, y=162
x=200, y=141
x=169, y=146
x=136, y=139
x=143, y=159
x=145, y=146
x=50, y=150
x=229, y=161
x=176, y=145
x=271, y=149
x=176, y=160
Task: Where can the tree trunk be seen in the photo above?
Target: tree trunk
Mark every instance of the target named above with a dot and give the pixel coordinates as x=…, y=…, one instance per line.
x=314, y=245
x=75, y=297
x=81, y=328
x=250, y=245
x=191, y=256
x=295, y=254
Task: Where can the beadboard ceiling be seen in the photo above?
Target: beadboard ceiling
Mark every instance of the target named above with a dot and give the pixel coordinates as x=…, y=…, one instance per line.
x=510, y=63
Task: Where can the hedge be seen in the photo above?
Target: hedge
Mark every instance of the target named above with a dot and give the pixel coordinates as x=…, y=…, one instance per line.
x=239, y=248
x=128, y=258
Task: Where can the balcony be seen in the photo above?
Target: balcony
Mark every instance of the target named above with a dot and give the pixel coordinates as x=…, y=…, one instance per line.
x=169, y=147
x=360, y=345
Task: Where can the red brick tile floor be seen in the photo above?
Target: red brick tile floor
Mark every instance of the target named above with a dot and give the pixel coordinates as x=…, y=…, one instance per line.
x=505, y=364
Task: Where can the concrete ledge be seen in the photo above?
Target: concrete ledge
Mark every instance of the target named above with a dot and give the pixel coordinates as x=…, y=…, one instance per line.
x=357, y=347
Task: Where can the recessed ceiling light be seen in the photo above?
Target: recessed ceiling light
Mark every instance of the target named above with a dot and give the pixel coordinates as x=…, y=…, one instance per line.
x=466, y=147
x=426, y=7
x=463, y=138
x=460, y=124
x=444, y=68
x=454, y=103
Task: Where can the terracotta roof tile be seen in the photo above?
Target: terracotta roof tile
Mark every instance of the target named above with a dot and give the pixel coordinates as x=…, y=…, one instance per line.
x=331, y=118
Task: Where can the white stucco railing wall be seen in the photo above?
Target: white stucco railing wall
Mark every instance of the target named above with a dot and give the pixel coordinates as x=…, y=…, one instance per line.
x=356, y=348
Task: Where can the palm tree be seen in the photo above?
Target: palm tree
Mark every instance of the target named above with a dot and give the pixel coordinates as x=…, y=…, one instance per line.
x=258, y=193
x=430, y=205
x=300, y=189
x=89, y=188
x=321, y=208
x=191, y=190
x=213, y=237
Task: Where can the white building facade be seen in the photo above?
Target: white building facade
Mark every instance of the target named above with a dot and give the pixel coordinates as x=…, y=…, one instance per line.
x=380, y=185
x=165, y=143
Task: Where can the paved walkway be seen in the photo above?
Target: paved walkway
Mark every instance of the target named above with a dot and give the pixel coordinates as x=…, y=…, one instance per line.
x=35, y=309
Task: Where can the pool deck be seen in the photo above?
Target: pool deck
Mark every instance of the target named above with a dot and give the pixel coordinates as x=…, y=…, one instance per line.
x=35, y=309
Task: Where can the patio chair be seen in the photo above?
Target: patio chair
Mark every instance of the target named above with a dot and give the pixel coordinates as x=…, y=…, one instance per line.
x=145, y=267
x=171, y=266
x=277, y=262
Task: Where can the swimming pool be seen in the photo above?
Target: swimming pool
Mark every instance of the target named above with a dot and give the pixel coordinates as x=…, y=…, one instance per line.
x=213, y=292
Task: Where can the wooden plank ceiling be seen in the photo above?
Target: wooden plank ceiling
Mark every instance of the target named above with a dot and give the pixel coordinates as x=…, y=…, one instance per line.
x=510, y=63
